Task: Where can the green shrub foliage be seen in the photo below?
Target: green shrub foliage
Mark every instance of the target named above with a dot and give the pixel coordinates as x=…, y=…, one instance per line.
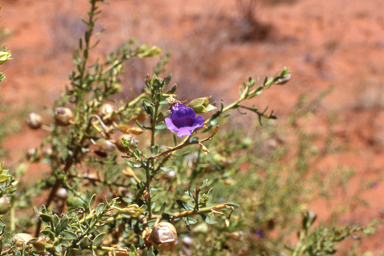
x=155, y=175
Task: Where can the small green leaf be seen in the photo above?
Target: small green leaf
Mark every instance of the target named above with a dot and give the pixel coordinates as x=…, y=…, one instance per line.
x=161, y=126
x=150, y=252
x=208, y=219
x=184, y=205
x=155, y=150
x=99, y=209
x=144, y=253
x=167, y=80
x=74, y=212
x=143, y=127
x=55, y=219
x=69, y=234
x=99, y=238
x=132, y=164
x=46, y=218
x=205, y=182
x=141, y=241
x=93, y=198
x=172, y=90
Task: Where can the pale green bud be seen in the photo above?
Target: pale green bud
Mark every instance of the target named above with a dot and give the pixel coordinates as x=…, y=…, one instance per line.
x=201, y=105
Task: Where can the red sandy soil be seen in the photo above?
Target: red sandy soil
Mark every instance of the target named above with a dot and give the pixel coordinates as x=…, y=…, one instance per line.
x=324, y=43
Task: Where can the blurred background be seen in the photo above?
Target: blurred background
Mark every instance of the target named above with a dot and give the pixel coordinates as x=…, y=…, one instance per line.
x=215, y=45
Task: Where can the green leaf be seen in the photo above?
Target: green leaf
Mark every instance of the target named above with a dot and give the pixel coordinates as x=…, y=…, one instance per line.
x=141, y=241
x=132, y=164
x=99, y=238
x=172, y=90
x=155, y=150
x=64, y=222
x=205, y=182
x=4, y=177
x=208, y=219
x=143, y=127
x=74, y=212
x=55, y=220
x=162, y=208
x=167, y=169
x=49, y=234
x=167, y=80
x=93, y=198
x=150, y=252
x=58, y=249
x=161, y=126
x=69, y=234
x=99, y=209
x=46, y=218
x=144, y=253
x=184, y=205
x=188, y=193
x=187, y=223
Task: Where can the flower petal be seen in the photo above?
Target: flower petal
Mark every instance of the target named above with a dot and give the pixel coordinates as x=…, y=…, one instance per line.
x=170, y=125
x=199, y=122
x=184, y=131
x=179, y=110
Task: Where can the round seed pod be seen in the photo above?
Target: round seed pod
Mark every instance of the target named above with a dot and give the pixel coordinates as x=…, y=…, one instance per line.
x=119, y=144
x=5, y=206
x=22, y=238
x=63, y=116
x=34, y=120
x=118, y=253
x=32, y=152
x=106, y=113
x=163, y=236
x=187, y=241
x=105, y=148
x=62, y=193
x=48, y=152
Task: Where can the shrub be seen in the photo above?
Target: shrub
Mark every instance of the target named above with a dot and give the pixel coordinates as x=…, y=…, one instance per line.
x=154, y=174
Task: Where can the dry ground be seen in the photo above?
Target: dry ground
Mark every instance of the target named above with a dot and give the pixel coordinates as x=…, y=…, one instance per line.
x=324, y=43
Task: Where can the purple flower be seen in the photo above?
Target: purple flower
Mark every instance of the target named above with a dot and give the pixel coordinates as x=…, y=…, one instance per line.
x=183, y=120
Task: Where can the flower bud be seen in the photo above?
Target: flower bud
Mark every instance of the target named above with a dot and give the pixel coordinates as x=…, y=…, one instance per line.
x=5, y=55
x=106, y=113
x=63, y=116
x=5, y=206
x=163, y=236
x=283, y=80
x=201, y=105
x=93, y=103
x=116, y=88
x=34, y=120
